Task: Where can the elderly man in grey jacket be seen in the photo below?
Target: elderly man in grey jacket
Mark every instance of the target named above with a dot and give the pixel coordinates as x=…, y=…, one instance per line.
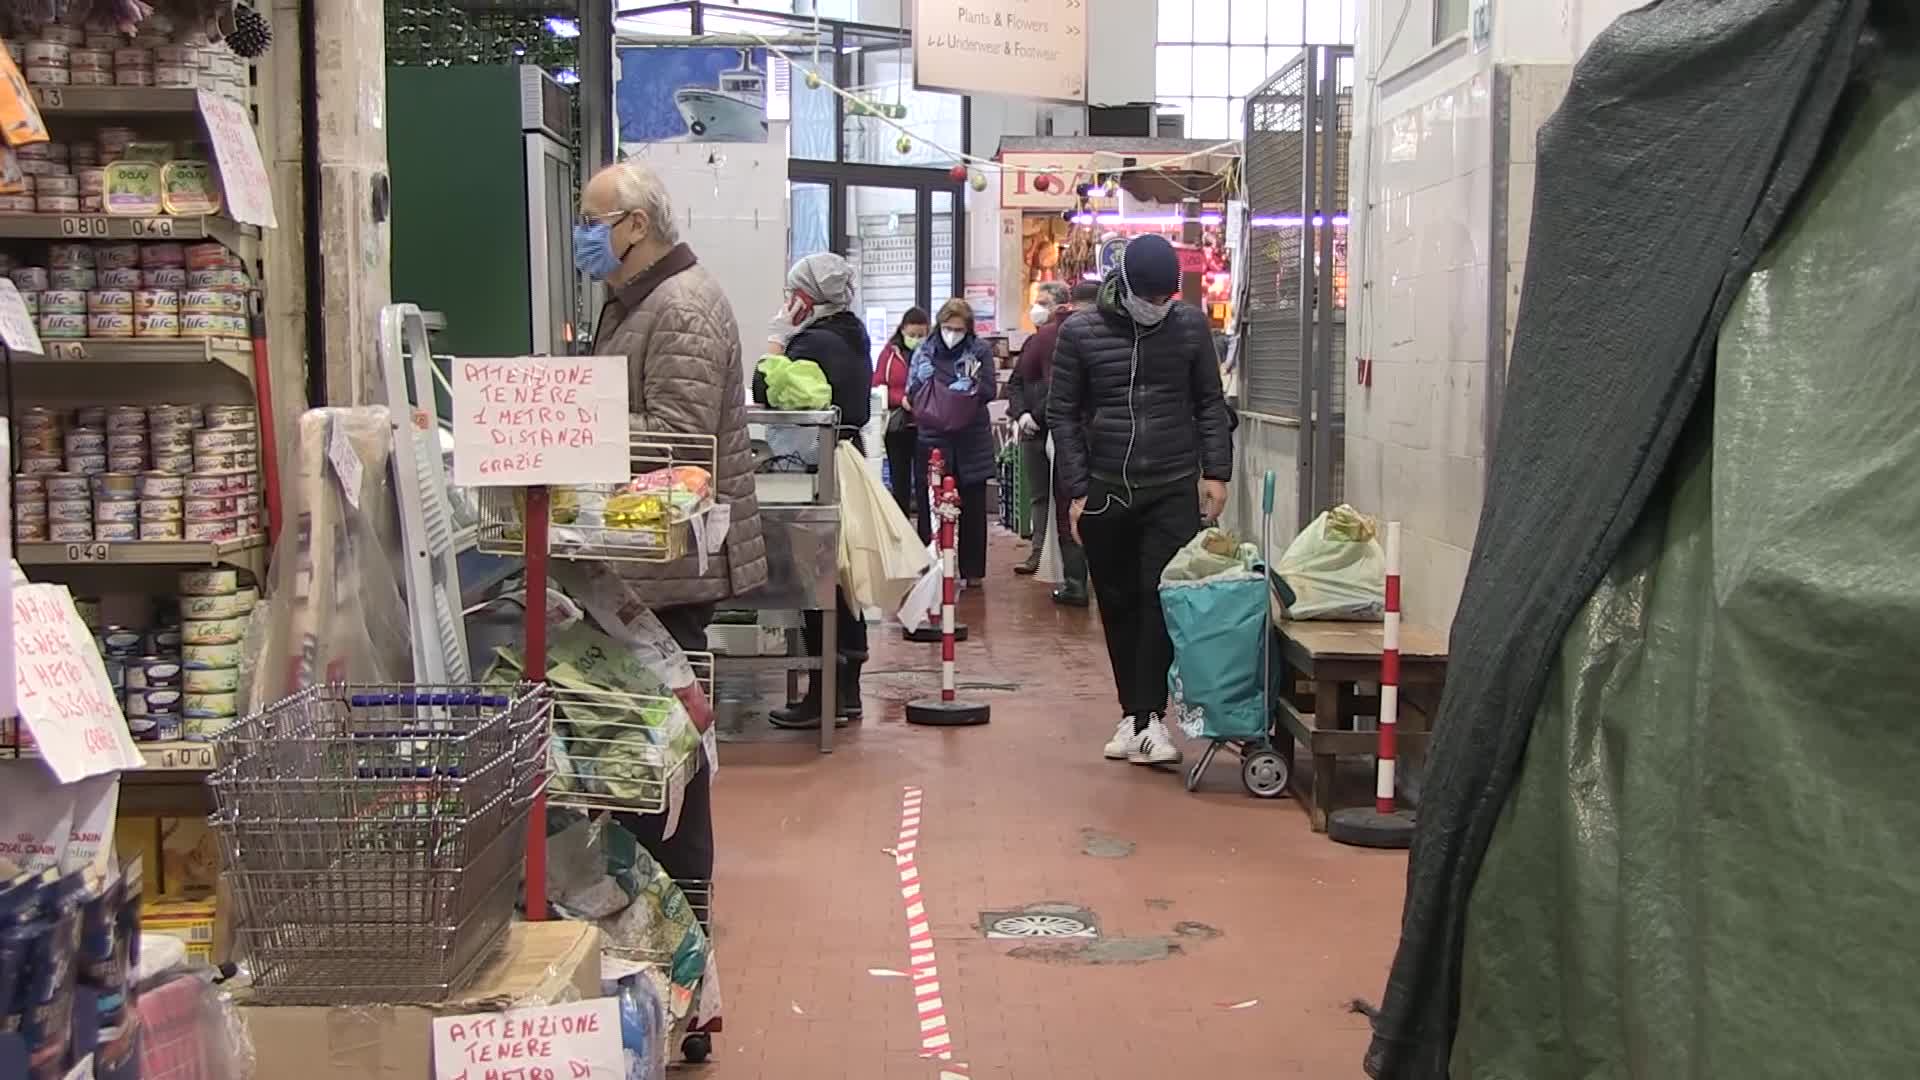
x=667, y=315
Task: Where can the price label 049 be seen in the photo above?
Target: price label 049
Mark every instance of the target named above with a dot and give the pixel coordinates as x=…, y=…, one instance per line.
x=160, y=227
x=87, y=552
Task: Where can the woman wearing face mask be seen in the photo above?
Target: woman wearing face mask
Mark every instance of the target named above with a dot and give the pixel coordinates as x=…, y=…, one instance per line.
x=951, y=383
x=905, y=479
x=1143, y=448
x=819, y=326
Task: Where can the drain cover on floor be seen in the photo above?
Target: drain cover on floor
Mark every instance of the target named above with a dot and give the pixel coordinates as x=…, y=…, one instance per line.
x=1037, y=924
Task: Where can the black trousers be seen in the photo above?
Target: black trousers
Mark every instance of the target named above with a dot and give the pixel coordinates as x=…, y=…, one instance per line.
x=1128, y=544
x=971, y=536
x=848, y=624
x=906, y=472
x=688, y=854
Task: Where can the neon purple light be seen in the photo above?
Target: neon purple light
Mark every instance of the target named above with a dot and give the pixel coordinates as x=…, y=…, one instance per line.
x=1171, y=220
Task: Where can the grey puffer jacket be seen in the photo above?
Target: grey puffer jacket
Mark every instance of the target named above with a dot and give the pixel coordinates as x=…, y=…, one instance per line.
x=676, y=329
x=1167, y=420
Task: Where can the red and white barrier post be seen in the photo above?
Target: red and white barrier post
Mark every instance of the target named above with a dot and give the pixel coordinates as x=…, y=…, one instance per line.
x=1383, y=798
x=1382, y=825
x=939, y=626
x=948, y=710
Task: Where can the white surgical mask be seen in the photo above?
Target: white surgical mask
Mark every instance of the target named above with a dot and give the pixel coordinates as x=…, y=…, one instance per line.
x=1039, y=313
x=952, y=337
x=1145, y=314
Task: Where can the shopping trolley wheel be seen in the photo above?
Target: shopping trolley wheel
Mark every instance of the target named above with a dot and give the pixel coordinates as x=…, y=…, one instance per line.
x=697, y=1047
x=1266, y=772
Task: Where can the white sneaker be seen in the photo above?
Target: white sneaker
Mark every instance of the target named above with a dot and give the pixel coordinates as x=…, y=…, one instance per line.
x=1154, y=746
x=1124, y=742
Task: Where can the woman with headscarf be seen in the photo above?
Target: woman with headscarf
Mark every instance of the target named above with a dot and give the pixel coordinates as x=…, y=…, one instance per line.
x=950, y=386
x=816, y=324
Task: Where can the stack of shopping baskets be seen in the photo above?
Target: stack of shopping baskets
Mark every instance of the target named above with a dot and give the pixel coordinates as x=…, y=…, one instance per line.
x=374, y=835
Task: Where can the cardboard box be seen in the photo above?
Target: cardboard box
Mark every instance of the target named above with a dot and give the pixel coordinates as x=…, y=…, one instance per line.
x=535, y=964
x=194, y=922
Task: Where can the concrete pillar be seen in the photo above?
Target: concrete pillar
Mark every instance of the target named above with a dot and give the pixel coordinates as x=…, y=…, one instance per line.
x=355, y=243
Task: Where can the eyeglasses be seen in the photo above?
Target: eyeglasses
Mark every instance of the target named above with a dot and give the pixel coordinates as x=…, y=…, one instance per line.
x=610, y=218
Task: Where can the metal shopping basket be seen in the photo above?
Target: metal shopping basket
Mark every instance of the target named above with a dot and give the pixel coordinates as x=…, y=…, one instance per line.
x=373, y=835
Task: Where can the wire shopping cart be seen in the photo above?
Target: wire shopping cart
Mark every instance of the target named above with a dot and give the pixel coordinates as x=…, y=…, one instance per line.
x=374, y=834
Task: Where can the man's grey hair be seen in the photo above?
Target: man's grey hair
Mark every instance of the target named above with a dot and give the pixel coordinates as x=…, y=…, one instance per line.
x=636, y=187
x=1052, y=293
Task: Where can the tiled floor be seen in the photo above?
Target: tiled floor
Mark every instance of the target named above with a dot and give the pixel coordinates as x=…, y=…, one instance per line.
x=808, y=899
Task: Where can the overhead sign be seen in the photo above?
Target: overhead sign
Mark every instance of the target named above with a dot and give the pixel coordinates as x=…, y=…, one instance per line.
x=577, y=1041
x=1019, y=169
x=525, y=420
x=1029, y=48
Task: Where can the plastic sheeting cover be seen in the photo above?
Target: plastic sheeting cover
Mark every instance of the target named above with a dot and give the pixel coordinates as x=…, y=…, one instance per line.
x=1688, y=128
x=1706, y=869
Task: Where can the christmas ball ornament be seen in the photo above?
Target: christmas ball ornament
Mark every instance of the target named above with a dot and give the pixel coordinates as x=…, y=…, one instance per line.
x=958, y=172
x=251, y=36
x=978, y=181
x=1043, y=183
x=904, y=145
x=813, y=80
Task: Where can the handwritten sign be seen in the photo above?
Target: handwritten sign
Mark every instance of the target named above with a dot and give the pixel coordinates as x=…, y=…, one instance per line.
x=540, y=420
x=243, y=173
x=578, y=1041
x=61, y=688
x=16, y=326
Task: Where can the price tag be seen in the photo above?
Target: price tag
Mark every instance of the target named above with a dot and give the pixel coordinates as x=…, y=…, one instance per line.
x=67, y=350
x=51, y=97
x=187, y=757
x=16, y=326
x=94, y=225
x=62, y=689
x=87, y=553
x=151, y=228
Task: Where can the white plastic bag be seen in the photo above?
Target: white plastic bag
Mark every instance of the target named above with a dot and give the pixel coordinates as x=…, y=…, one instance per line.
x=880, y=557
x=1336, y=568
x=924, y=600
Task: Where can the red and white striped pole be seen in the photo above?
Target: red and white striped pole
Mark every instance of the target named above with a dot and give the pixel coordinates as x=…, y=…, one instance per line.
x=936, y=488
x=948, y=509
x=1383, y=800
x=948, y=710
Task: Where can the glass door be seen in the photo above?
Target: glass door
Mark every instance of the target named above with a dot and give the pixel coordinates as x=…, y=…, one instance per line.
x=882, y=241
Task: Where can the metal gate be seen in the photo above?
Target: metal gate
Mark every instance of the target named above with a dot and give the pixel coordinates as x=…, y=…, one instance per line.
x=1299, y=127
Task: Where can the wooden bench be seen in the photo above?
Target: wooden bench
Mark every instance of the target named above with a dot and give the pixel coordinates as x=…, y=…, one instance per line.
x=1324, y=663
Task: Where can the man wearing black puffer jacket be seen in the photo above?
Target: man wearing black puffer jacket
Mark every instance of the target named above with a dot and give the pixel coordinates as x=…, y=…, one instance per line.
x=1143, y=446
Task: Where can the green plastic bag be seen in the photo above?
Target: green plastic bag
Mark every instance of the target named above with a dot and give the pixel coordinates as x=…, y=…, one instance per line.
x=1336, y=569
x=795, y=385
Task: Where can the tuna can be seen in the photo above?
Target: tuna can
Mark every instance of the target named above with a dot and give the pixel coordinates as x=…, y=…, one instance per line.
x=62, y=324
x=62, y=485
x=165, y=640
x=161, y=509
x=197, y=326
x=211, y=681
x=218, y=279
x=147, y=300
x=41, y=464
x=30, y=278
x=110, y=324
x=125, y=76
x=120, y=486
x=232, y=461
x=114, y=256
x=210, y=706
x=161, y=530
x=131, y=462
x=70, y=511
x=167, y=726
x=18, y=204
x=42, y=442
x=30, y=531
x=94, y=416
x=48, y=75
x=209, y=582
x=58, y=185
x=205, y=256
x=120, y=277
x=139, y=725
x=116, y=532
x=89, y=464
x=159, y=416
x=120, y=642
x=29, y=487
x=144, y=702
x=153, y=673
x=89, y=59
x=164, y=277
x=216, y=529
x=127, y=418
x=39, y=420
x=70, y=532
x=249, y=598
x=207, y=507
x=31, y=507
x=203, y=657
x=213, y=607
x=159, y=485
x=56, y=204
x=85, y=441
x=127, y=442
x=49, y=52
x=219, y=439
x=66, y=256
x=110, y=300
x=116, y=675
x=156, y=324
x=223, y=416
x=62, y=301
x=212, y=631
x=79, y=277
x=116, y=511
x=173, y=461
x=173, y=437
x=90, y=77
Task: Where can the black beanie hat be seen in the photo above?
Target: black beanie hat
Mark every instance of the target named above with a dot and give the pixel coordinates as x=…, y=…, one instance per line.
x=1150, y=267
